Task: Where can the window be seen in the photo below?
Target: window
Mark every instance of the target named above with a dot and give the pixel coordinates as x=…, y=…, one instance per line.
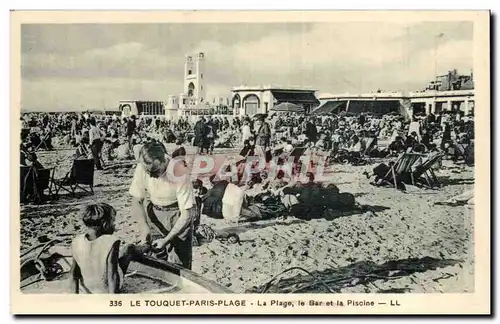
x=183, y=101
x=201, y=75
x=189, y=72
x=201, y=87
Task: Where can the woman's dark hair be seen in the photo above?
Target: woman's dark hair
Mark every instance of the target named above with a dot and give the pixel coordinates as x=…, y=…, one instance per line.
x=153, y=158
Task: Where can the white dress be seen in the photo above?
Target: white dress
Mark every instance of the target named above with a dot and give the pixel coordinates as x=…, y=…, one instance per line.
x=91, y=257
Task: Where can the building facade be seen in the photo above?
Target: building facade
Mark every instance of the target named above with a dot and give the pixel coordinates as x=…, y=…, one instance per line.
x=412, y=103
x=250, y=100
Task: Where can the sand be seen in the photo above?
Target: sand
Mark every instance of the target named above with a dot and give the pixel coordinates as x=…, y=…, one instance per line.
x=402, y=242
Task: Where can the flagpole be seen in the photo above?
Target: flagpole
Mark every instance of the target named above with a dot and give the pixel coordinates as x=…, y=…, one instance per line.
x=436, y=54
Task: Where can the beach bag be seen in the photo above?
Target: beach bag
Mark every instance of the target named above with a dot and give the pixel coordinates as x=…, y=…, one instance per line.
x=232, y=202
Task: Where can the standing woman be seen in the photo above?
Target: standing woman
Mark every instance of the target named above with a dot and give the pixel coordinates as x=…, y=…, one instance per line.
x=95, y=139
x=163, y=204
x=262, y=136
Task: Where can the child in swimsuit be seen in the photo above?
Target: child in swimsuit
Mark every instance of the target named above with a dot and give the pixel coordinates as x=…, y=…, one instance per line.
x=98, y=262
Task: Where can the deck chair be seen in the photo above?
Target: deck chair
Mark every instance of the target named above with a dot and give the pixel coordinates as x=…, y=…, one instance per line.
x=43, y=142
x=33, y=183
x=424, y=170
x=402, y=168
x=81, y=174
x=296, y=153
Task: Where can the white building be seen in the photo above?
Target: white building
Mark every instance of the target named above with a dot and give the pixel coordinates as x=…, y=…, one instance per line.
x=192, y=101
x=411, y=103
x=250, y=100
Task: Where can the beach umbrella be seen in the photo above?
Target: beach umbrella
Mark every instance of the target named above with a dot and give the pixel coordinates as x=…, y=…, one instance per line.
x=288, y=107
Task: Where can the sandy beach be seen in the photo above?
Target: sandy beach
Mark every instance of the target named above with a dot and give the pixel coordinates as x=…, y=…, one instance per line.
x=403, y=240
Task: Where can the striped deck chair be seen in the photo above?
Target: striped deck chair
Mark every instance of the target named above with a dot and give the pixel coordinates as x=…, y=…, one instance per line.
x=424, y=170
x=402, y=168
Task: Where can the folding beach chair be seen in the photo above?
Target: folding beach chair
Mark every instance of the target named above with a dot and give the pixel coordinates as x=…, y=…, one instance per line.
x=81, y=174
x=43, y=143
x=33, y=183
x=402, y=168
x=425, y=171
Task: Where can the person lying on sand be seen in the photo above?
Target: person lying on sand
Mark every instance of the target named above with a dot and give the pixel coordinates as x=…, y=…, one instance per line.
x=99, y=263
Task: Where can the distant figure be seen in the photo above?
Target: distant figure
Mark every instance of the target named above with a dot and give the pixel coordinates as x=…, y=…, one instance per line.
x=131, y=129
x=199, y=132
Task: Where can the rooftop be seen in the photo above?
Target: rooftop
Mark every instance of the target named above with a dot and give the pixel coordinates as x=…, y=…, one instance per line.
x=272, y=87
x=398, y=94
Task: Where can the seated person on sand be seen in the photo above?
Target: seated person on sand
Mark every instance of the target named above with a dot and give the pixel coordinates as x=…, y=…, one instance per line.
x=320, y=145
x=123, y=151
x=248, y=148
x=413, y=143
x=212, y=201
x=283, y=149
x=274, y=185
x=137, y=146
x=356, y=145
x=311, y=199
x=28, y=157
x=397, y=146
x=99, y=263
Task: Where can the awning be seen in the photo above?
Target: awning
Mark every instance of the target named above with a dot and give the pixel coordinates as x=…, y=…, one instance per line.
x=288, y=107
x=330, y=107
x=374, y=107
x=295, y=97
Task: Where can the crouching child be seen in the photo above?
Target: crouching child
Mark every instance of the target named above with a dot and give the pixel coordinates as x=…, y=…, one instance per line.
x=99, y=263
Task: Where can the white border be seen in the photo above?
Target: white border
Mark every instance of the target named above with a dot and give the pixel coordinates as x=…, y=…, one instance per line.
x=147, y=4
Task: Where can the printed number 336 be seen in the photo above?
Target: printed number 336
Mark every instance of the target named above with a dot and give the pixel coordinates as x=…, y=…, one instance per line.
x=115, y=303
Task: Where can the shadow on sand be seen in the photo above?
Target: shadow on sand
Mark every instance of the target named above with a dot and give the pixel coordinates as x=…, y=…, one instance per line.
x=63, y=204
x=447, y=181
x=257, y=225
x=327, y=215
x=334, y=214
x=358, y=273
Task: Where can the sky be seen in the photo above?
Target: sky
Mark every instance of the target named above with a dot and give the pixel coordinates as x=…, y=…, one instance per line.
x=93, y=66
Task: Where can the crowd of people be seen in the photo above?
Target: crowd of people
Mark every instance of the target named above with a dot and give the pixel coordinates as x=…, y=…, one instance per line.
x=168, y=213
